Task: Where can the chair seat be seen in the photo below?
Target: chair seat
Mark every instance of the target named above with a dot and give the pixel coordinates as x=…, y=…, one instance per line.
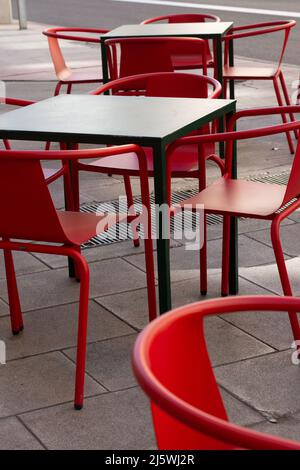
x=85, y=75
x=240, y=197
x=240, y=73
x=185, y=161
x=186, y=61
x=80, y=227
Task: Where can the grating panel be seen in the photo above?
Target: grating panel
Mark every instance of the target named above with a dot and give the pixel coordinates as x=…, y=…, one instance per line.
x=123, y=231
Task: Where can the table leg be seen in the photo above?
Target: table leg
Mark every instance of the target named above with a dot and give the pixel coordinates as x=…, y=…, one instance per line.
x=163, y=232
x=231, y=64
x=219, y=64
x=234, y=267
x=71, y=264
x=104, y=64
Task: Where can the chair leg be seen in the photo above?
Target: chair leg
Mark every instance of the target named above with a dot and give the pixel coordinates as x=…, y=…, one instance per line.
x=203, y=261
x=6, y=144
x=131, y=211
x=203, y=249
x=13, y=294
x=69, y=89
x=287, y=99
x=284, y=277
x=284, y=120
x=151, y=291
x=225, y=256
x=83, y=269
x=225, y=86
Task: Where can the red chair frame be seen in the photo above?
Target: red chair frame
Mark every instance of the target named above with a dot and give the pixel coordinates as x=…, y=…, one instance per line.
x=57, y=232
x=134, y=56
x=231, y=197
x=179, y=62
x=64, y=74
x=257, y=73
x=172, y=366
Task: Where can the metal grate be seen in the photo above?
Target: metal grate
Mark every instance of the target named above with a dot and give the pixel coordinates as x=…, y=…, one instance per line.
x=123, y=231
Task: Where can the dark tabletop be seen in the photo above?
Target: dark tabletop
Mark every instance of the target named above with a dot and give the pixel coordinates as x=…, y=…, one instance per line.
x=111, y=119
x=208, y=30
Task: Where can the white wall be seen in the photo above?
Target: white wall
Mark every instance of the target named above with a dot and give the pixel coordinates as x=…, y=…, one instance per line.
x=5, y=12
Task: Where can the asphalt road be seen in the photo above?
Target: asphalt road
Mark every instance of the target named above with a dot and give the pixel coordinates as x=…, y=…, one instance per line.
x=112, y=13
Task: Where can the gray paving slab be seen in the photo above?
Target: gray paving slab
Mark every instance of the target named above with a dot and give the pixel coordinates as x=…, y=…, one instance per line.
x=238, y=412
x=132, y=308
x=129, y=306
x=15, y=436
x=4, y=310
x=109, y=362
x=39, y=381
x=25, y=263
x=288, y=427
x=270, y=383
x=267, y=276
x=55, y=328
x=226, y=344
x=116, y=421
x=55, y=288
x=290, y=239
x=185, y=262
x=272, y=328
x=113, y=250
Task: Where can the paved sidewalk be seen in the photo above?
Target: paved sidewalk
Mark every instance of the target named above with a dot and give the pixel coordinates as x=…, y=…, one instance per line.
x=251, y=352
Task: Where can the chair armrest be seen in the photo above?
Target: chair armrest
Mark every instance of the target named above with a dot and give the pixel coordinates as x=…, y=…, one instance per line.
x=15, y=102
x=58, y=33
x=232, y=135
x=259, y=29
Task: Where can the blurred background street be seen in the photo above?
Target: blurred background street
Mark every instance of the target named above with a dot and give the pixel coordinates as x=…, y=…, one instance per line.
x=112, y=13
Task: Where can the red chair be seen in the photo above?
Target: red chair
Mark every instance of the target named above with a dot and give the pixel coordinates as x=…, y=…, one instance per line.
x=65, y=75
x=49, y=173
x=56, y=232
x=133, y=56
x=172, y=365
x=240, y=198
x=187, y=162
x=180, y=60
x=261, y=73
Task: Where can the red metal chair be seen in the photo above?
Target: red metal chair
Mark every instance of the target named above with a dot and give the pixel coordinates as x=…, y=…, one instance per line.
x=187, y=162
x=51, y=174
x=180, y=60
x=261, y=73
x=65, y=75
x=172, y=365
x=240, y=198
x=47, y=230
x=133, y=56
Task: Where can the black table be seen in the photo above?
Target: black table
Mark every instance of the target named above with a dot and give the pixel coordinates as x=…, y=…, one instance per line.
x=210, y=30
x=147, y=121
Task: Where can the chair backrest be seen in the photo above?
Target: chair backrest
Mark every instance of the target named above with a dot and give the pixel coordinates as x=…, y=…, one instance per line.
x=183, y=18
x=172, y=365
x=135, y=56
x=293, y=186
x=259, y=29
x=62, y=70
x=167, y=84
x=26, y=207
